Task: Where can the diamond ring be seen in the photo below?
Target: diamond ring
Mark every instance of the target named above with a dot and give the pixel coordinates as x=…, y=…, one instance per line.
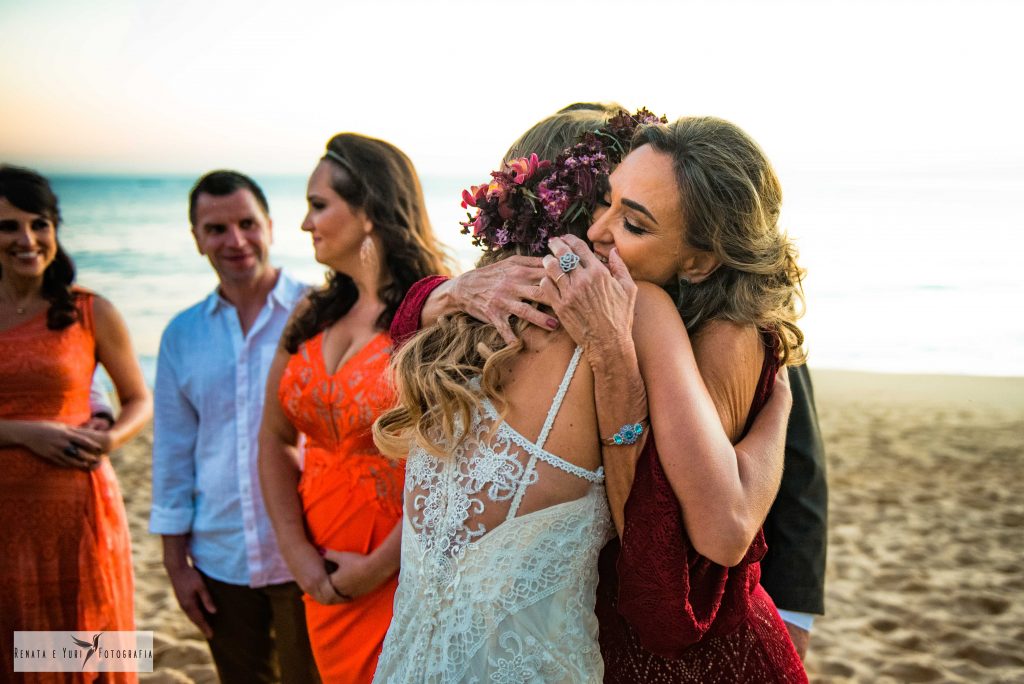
x=568, y=262
x=71, y=450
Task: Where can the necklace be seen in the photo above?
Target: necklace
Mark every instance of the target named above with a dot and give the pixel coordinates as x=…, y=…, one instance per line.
x=19, y=308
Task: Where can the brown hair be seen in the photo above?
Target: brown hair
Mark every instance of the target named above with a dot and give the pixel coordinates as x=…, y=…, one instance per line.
x=376, y=177
x=731, y=200
x=31, y=192
x=432, y=370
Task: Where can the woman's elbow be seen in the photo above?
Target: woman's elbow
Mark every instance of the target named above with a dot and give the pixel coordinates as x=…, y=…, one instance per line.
x=727, y=544
x=140, y=401
x=721, y=554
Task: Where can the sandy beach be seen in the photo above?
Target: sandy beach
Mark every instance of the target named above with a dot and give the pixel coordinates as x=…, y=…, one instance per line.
x=926, y=527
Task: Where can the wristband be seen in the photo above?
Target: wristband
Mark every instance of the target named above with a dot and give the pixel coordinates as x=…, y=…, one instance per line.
x=106, y=416
x=629, y=433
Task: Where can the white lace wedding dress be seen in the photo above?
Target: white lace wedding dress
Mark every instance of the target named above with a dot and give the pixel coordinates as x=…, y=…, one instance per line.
x=487, y=594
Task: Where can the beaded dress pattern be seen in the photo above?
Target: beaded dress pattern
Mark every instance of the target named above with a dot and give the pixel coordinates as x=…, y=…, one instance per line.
x=486, y=593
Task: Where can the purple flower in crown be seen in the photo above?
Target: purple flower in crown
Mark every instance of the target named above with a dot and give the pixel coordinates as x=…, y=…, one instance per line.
x=554, y=200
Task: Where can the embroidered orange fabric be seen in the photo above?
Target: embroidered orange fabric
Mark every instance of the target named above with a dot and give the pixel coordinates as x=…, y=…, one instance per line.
x=66, y=561
x=351, y=494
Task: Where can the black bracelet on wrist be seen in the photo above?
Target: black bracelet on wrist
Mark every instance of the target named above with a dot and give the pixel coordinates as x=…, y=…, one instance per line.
x=106, y=415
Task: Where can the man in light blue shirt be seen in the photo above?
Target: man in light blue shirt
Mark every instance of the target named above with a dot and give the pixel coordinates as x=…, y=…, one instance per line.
x=218, y=544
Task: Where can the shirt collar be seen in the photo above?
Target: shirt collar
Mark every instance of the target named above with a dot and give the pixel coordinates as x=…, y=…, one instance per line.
x=286, y=291
x=283, y=295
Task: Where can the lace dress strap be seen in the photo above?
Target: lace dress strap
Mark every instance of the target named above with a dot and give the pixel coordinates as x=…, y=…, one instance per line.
x=538, y=446
x=556, y=403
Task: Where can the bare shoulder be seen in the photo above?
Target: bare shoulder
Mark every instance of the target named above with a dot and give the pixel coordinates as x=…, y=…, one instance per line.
x=104, y=312
x=730, y=357
x=651, y=299
x=538, y=368
x=654, y=315
x=725, y=342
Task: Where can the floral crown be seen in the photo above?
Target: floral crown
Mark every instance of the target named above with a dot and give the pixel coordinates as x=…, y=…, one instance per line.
x=530, y=200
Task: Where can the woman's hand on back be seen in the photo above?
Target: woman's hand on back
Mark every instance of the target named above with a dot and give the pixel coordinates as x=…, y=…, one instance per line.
x=594, y=303
x=497, y=291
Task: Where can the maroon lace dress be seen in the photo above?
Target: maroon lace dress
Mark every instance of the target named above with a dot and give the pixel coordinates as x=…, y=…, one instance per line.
x=666, y=613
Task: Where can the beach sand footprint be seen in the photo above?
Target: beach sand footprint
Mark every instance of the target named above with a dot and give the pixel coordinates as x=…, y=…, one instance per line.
x=988, y=657
x=981, y=604
x=913, y=672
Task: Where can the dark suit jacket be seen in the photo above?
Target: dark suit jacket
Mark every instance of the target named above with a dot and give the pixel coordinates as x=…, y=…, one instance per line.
x=793, y=571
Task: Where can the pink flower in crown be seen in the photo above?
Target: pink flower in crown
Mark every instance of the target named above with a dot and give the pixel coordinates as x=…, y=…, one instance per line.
x=525, y=167
x=472, y=197
x=478, y=224
x=497, y=191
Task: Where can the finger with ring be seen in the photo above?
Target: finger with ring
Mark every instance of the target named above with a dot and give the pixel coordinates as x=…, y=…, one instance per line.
x=560, y=276
x=71, y=450
x=568, y=261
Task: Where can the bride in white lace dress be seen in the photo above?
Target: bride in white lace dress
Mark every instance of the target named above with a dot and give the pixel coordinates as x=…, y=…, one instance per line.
x=505, y=509
x=499, y=559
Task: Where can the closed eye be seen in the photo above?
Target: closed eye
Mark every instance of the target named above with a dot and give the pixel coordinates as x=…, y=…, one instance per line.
x=632, y=227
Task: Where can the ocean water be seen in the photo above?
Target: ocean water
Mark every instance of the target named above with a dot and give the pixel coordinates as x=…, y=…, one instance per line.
x=913, y=273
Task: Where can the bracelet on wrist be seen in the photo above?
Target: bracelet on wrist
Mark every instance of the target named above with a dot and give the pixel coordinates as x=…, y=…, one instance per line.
x=628, y=434
x=105, y=415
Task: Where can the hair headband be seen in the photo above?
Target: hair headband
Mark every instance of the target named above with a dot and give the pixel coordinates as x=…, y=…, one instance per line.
x=344, y=163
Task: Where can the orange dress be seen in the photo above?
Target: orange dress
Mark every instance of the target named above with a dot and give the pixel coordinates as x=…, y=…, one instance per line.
x=66, y=560
x=351, y=494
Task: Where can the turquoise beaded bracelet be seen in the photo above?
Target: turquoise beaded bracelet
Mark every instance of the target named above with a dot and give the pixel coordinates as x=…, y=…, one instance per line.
x=630, y=433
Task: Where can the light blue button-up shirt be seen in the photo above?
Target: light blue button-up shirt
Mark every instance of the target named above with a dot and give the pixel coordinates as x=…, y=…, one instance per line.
x=210, y=386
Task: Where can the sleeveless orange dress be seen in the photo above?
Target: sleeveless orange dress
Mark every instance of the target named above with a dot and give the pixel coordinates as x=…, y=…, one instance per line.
x=66, y=555
x=351, y=494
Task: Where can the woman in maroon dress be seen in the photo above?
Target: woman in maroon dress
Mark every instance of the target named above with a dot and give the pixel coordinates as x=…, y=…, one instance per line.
x=680, y=601
x=689, y=607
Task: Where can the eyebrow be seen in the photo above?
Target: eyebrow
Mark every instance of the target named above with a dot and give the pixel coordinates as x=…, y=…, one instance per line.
x=639, y=207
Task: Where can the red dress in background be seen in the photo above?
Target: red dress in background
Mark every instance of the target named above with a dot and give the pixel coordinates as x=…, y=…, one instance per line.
x=666, y=613
x=351, y=494
x=66, y=562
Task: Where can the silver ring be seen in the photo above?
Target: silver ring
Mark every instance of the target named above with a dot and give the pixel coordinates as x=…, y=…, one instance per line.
x=568, y=262
x=71, y=450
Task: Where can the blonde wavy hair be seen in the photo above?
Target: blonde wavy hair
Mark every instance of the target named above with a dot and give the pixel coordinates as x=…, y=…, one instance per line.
x=432, y=370
x=731, y=199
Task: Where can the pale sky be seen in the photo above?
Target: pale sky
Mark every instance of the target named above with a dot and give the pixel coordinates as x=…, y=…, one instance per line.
x=896, y=127
x=184, y=85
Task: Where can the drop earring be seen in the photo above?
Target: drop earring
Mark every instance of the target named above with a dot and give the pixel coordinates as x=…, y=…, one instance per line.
x=366, y=250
